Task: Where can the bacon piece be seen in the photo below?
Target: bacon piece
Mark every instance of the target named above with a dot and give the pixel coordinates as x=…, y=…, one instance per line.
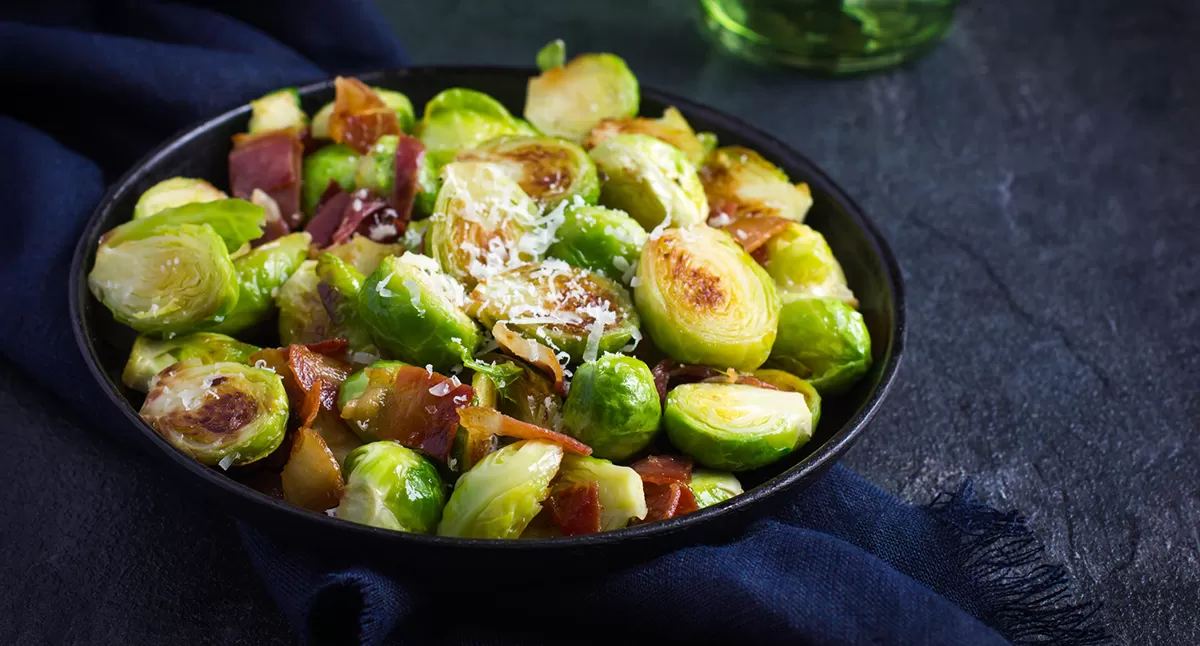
x=336, y=348
x=533, y=352
x=369, y=215
x=359, y=116
x=664, y=469
x=575, y=508
x=409, y=153
x=491, y=421
x=276, y=226
x=422, y=411
x=752, y=230
x=313, y=370
x=318, y=361
x=270, y=161
x=665, y=501
x=328, y=214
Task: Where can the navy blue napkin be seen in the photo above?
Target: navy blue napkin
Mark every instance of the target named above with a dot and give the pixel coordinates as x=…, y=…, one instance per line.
x=91, y=86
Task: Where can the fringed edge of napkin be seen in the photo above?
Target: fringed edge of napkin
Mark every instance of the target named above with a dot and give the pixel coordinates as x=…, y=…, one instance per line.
x=1026, y=598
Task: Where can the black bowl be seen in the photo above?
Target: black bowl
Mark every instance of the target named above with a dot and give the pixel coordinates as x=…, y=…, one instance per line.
x=201, y=152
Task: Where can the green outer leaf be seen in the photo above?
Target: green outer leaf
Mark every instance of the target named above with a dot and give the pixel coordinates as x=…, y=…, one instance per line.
x=711, y=487
x=150, y=356
x=503, y=492
x=824, y=340
x=261, y=273
x=391, y=486
x=613, y=407
x=174, y=192
x=235, y=221
x=553, y=54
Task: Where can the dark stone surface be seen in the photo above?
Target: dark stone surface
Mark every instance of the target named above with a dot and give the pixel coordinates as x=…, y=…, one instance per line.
x=1037, y=178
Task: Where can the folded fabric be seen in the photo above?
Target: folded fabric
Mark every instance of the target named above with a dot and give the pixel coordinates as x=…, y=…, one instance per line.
x=92, y=86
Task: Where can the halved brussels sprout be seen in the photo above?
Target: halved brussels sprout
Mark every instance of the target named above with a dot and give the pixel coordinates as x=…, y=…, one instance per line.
x=356, y=384
x=570, y=309
x=394, y=100
x=302, y=315
x=800, y=261
x=671, y=128
x=569, y=100
x=650, y=180
x=261, y=273
x=784, y=380
x=339, y=289
x=613, y=407
x=237, y=222
x=332, y=163
x=500, y=495
x=739, y=181
x=483, y=223
x=549, y=170
x=604, y=240
x=622, y=498
x=704, y=300
x=391, y=486
x=364, y=254
x=823, y=340
x=711, y=487
x=736, y=427
x=415, y=312
x=459, y=118
x=173, y=280
x=151, y=356
x=174, y=192
x=279, y=110
x=224, y=413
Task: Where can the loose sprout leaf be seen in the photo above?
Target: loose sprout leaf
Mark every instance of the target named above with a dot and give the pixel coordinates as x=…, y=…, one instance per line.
x=150, y=356
x=621, y=491
x=532, y=351
x=553, y=54
x=712, y=487
x=279, y=110
x=174, y=192
x=488, y=420
x=502, y=374
x=236, y=221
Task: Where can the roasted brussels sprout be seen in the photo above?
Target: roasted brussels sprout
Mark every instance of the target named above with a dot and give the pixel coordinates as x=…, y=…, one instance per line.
x=569, y=100
x=174, y=192
x=483, y=223
x=500, y=495
x=173, y=280
x=549, y=170
x=224, y=413
x=736, y=427
x=332, y=163
x=738, y=181
x=784, y=380
x=622, y=498
x=415, y=312
x=364, y=254
x=800, y=261
x=671, y=128
x=823, y=340
x=302, y=316
x=151, y=356
x=459, y=118
x=570, y=309
x=650, y=180
x=711, y=487
x=279, y=110
x=704, y=300
x=394, y=100
x=261, y=273
x=391, y=486
x=601, y=239
x=613, y=407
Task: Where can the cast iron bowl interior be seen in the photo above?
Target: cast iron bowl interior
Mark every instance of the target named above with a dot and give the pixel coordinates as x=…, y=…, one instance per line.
x=201, y=151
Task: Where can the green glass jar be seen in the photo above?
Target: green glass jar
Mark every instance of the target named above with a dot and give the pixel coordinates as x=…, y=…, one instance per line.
x=830, y=36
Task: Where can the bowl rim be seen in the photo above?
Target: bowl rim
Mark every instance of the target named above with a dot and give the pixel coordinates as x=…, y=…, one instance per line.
x=199, y=475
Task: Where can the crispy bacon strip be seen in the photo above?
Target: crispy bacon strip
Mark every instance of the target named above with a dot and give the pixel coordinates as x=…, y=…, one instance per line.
x=491, y=421
x=575, y=508
x=753, y=230
x=409, y=153
x=270, y=161
x=359, y=116
x=533, y=352
x=313, y=370
x=668, y=501
x=422, y=411
x=276, y=226
x=318, y=360
x=664, y=469
x=328, y=214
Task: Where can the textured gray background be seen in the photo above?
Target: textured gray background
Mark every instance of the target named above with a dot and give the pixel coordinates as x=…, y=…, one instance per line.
x=1037, y=177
